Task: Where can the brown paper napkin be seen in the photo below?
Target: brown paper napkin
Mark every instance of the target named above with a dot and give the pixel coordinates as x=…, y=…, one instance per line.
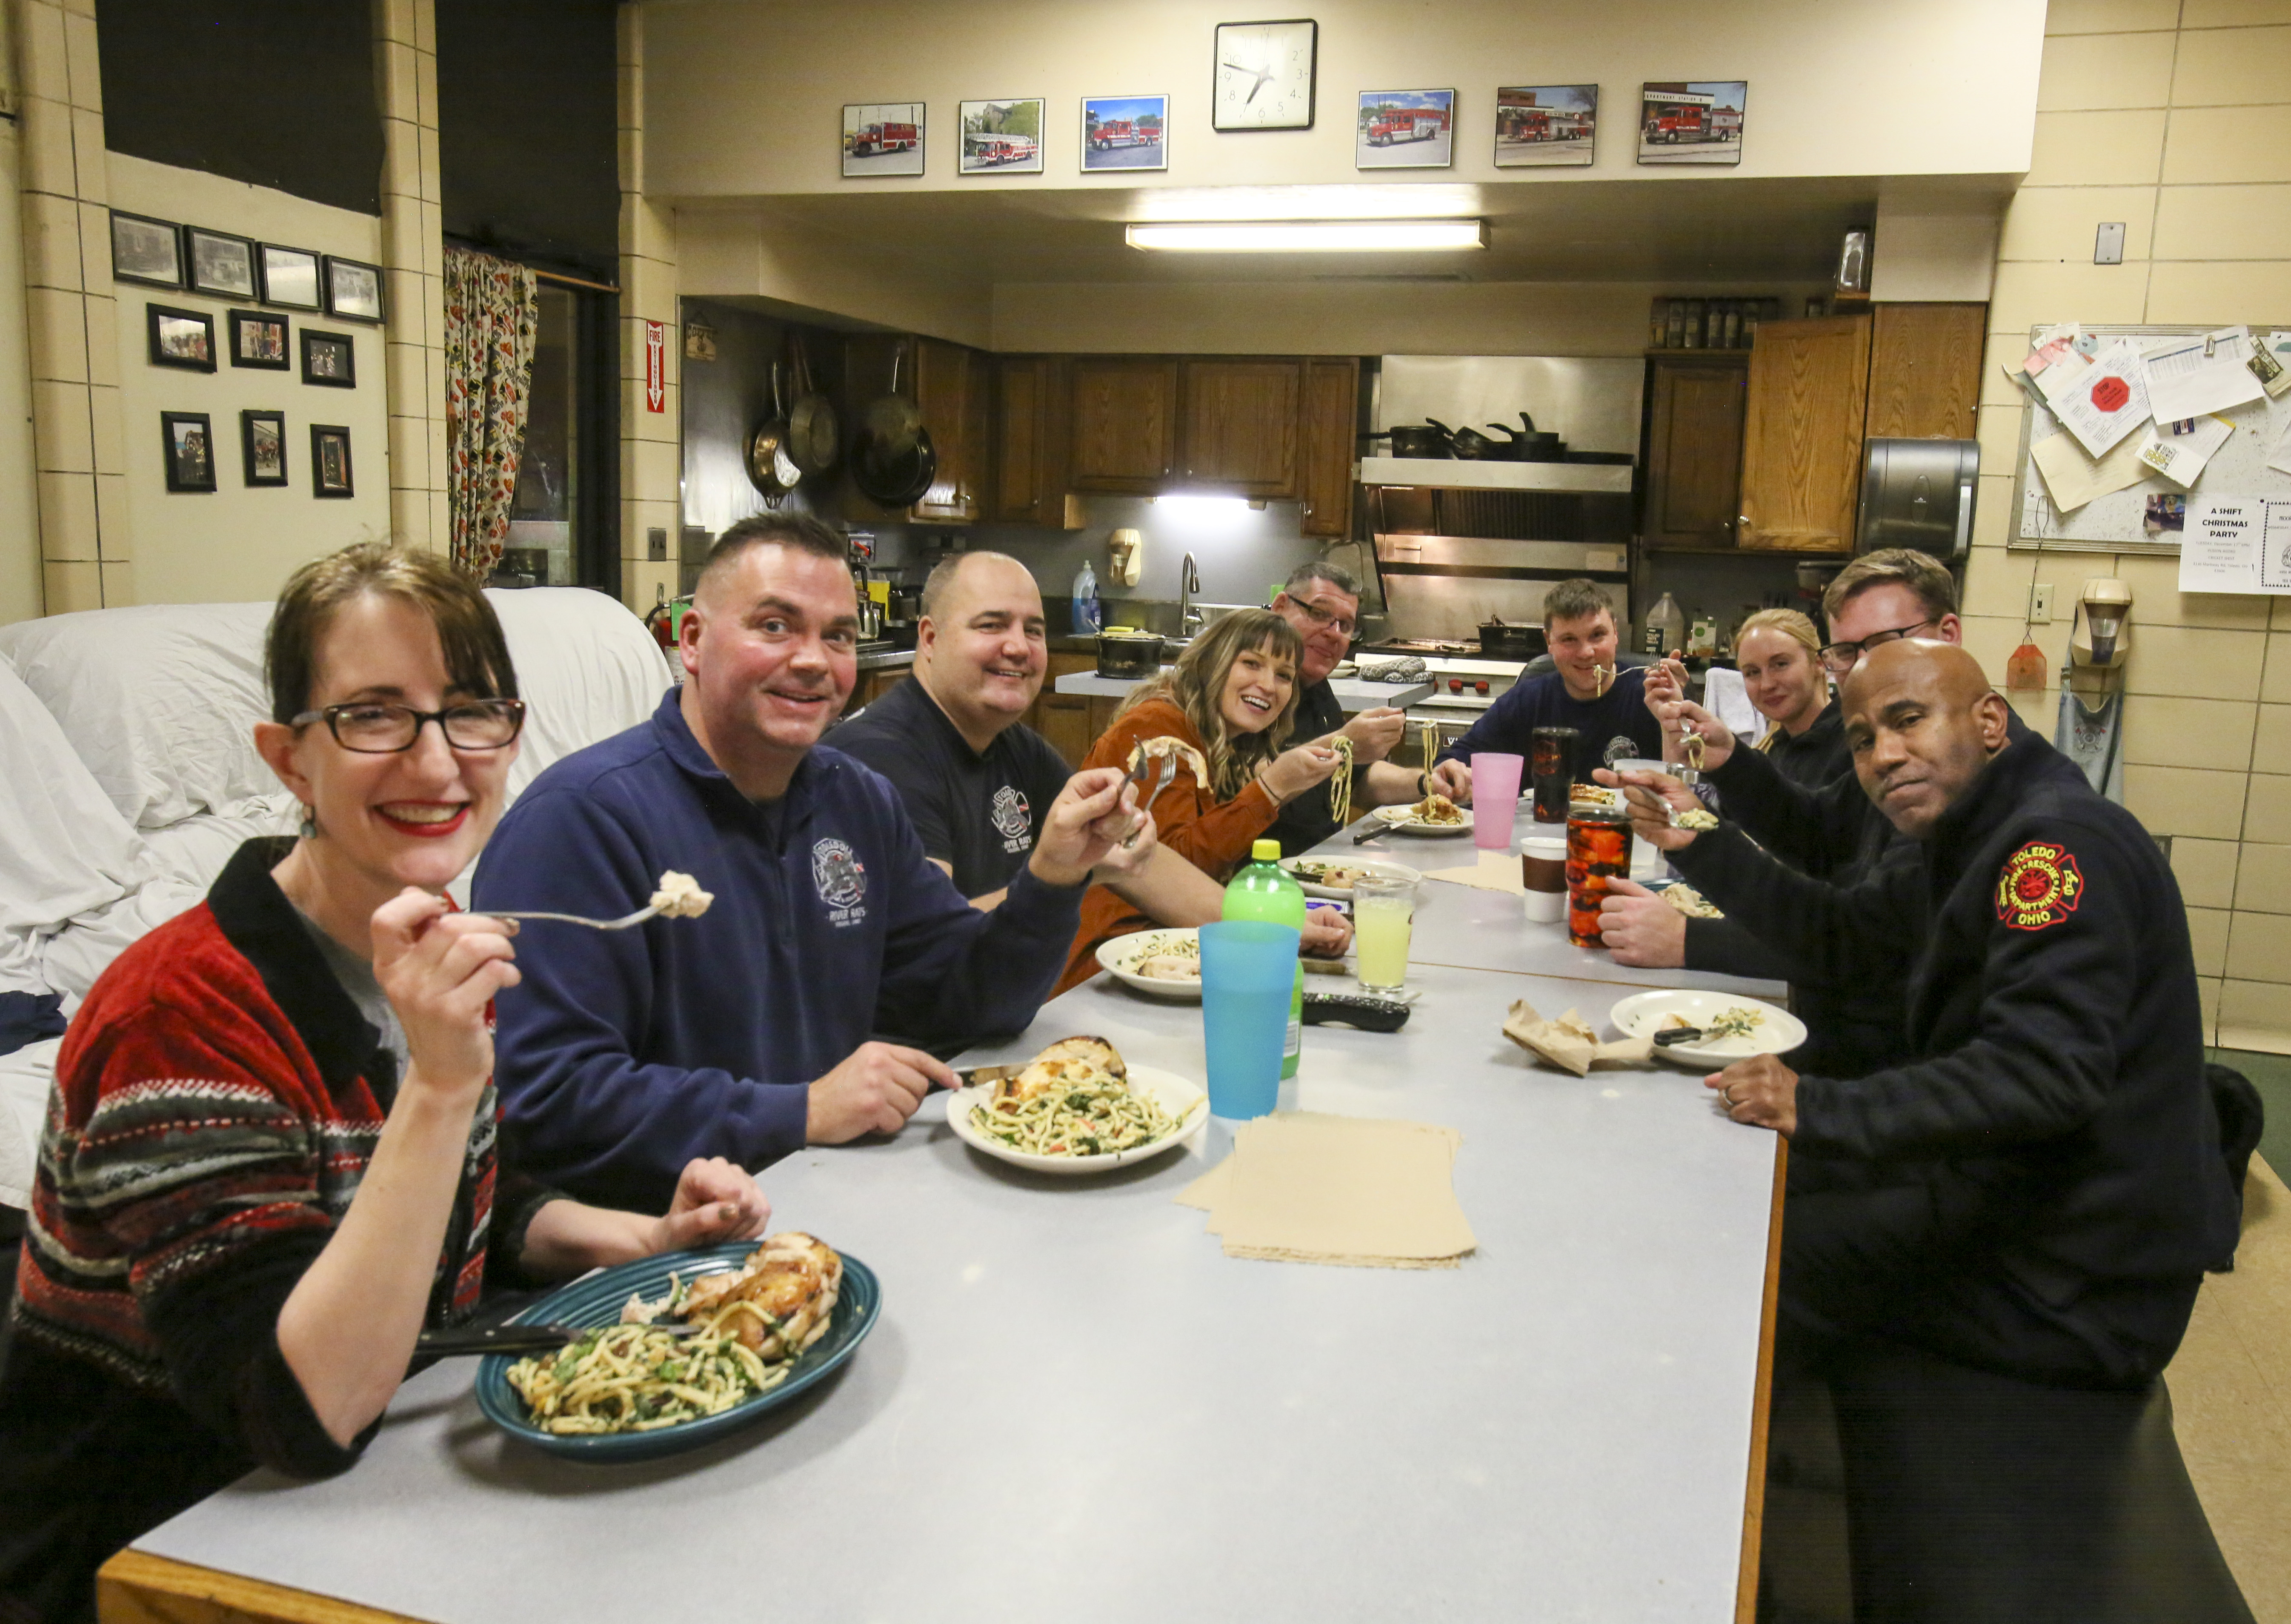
x=1304, y=1187
x=1496, y=871
x=1569, y=1043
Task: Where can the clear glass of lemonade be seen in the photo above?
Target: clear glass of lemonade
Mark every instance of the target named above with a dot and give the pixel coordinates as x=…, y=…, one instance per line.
x=1382, y=912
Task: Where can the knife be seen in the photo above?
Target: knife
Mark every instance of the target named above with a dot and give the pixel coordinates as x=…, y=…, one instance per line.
x=977, y=1076
x=1670, y=1035
x=459, y=1340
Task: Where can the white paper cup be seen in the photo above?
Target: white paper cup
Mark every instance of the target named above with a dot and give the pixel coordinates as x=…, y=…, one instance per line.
x=1545, y=908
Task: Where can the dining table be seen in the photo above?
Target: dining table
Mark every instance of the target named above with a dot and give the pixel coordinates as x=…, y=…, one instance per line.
x=1075, y=1405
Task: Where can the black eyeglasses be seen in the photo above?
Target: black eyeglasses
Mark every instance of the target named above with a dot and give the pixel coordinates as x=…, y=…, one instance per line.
x=1840, y=657
x=1320, y=616
x=383, y=729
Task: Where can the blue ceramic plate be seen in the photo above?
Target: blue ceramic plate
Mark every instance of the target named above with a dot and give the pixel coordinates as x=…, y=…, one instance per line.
x=596, y=1300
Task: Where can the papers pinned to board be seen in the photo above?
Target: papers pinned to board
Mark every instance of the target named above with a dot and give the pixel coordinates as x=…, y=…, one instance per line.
x=2236, y=544
x=2178, y=450
x=2102, y=401
x=2190, y=377
x=2072, y=478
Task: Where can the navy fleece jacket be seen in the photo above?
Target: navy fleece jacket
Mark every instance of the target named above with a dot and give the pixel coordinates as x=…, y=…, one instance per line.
x=624, y=1054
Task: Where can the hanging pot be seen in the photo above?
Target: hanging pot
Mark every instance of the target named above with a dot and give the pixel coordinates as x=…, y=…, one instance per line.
x=770, y=469
x=815, y=438
x=893, y=459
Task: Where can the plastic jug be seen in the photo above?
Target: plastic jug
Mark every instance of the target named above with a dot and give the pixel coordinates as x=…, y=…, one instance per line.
x=1666, y=628
x=1086, y=616
x=1265, y=891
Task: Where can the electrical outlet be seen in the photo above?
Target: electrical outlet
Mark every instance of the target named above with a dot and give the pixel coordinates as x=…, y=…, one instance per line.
x=2040, y=604
x=657, y=544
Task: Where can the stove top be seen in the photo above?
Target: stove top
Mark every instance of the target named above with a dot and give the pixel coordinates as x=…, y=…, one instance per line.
x=1420, y=645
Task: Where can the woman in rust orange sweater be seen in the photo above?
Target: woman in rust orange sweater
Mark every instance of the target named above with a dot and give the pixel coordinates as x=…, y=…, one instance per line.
x=1233, y=699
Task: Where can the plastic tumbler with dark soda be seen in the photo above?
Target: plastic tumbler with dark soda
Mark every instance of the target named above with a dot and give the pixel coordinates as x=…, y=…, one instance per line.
x=1598, y=850
x=1551, y=767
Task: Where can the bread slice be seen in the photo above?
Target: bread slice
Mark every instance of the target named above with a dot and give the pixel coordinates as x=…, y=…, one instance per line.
x=1068, y=1060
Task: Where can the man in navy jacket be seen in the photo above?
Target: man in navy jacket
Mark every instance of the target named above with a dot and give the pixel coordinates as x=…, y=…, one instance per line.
x=743, y=1033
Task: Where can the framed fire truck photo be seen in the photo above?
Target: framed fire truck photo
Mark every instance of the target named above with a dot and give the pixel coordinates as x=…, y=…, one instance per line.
x=1125, y=131
x=1002, y=138
x=1546, y=125
x=1405, y=129
x=1699, y=122
x=882, y=138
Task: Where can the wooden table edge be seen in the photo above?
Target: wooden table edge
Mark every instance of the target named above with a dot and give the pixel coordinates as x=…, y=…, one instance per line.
x=136, y=1587
x=1753, y=1495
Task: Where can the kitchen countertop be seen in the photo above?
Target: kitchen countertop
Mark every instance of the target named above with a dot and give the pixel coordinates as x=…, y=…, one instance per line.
x=1093, y=1398
x=886, y=659
x=1351, y=693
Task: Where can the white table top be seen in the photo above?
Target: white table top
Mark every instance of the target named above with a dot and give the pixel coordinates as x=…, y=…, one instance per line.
x=1073, y=1394
x=1351, y=693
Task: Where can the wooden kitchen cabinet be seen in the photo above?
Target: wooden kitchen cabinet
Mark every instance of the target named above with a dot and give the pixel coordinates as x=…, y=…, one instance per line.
x=1238, y=430
x=1925, y=370
x=1326, y=442
x=1694, y=449
x=953, y=386
x=1030, y=441
x=1802, y=429
x=1124, y=423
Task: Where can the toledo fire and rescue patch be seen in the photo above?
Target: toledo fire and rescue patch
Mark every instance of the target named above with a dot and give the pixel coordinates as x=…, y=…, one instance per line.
x=2040, y=885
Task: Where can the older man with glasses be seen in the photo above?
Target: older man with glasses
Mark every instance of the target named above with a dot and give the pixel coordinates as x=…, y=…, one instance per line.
x=1322, y=601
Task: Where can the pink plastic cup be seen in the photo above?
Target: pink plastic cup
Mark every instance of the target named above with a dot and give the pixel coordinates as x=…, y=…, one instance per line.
x=1495, y=798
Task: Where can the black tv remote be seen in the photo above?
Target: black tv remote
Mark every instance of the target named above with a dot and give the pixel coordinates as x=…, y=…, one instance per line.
x=1355, y=1010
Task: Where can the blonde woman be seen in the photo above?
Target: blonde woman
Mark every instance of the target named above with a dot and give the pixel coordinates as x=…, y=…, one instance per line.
x=1777, y=652
x=1233, y=698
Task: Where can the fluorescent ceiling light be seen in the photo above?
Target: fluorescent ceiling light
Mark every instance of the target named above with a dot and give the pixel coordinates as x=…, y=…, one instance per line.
x=1202, y=505
x=1311, y=236
x=1416, y=200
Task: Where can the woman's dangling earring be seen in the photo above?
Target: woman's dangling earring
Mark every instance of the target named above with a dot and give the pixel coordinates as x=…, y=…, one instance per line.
x=309, y=829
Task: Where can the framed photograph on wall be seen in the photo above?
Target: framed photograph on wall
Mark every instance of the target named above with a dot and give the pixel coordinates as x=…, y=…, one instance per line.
x=330, y=359
x=259, y=339
x=1546, y=125
x=330, y=460
x=188, y=447
x=1697, y=121
x=262, y=446
x=290, y=276
x=1125, y=133
x=1405, y=129
x=218, y=263
x=146, y=249
x=1002, y=138
x=353, y=290
x=882, y=138
x=181, y=338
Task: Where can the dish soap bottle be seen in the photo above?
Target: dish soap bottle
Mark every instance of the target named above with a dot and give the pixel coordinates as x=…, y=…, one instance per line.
x=1086, y=620
x=1264, y=889
x=1666, y=628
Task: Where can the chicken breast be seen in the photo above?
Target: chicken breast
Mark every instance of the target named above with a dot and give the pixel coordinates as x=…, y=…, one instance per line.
x=1066, y=1061
x=791, y=1282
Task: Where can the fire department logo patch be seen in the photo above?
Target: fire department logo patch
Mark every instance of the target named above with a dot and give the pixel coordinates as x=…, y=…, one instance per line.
x=1013, y=819
x=2040, y=885
x=837, y=875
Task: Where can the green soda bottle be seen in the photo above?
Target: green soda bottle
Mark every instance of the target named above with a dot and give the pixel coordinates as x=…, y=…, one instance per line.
x=1264, y=889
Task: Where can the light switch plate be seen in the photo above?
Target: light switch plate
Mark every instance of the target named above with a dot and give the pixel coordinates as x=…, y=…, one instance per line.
x=2108, y=246
x=2040, y=604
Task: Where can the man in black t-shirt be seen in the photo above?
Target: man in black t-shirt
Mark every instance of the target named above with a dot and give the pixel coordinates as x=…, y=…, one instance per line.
x=1606, y=706
x=1322, y=601
x=974, y=779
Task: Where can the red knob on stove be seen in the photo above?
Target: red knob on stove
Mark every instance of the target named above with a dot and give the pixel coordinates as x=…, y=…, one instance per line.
x=1455, y=684
x=1482, y=684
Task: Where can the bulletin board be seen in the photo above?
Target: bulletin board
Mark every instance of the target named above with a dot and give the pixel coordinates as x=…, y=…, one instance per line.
x=2118, y=522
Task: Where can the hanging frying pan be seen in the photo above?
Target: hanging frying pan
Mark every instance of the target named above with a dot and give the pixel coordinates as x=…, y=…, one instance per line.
x=893, y=459
x=769, y=468
x=815, y=438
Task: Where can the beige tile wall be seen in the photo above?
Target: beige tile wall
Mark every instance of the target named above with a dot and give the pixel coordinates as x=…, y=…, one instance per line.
x=414, y=263
x=2174, y=118
x=651, y=461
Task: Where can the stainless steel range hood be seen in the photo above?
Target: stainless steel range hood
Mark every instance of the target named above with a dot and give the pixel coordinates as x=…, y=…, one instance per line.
x=1592, y=402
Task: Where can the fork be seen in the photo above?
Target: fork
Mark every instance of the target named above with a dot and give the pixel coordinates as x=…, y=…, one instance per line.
x=1137, y=775
x=621, y=923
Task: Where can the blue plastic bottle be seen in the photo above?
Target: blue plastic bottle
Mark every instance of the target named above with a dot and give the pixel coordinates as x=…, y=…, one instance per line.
x=1086, y=616
x=1264, y=889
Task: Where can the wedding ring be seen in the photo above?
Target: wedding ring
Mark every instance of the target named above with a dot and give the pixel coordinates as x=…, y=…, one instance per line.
x=1727, y=1094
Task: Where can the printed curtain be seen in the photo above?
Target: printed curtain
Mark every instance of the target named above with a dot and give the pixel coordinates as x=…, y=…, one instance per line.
x=492, y=310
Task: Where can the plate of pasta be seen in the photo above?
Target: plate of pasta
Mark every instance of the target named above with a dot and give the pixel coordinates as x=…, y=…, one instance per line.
x=1165, y=963
x=1078, y=1107
x=1332, y=880
x=683, y=1348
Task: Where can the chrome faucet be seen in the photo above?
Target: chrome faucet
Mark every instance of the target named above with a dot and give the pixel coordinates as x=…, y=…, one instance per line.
x=1190, y=619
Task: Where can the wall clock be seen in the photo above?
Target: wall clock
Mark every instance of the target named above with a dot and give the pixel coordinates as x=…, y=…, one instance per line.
x=1265, y=75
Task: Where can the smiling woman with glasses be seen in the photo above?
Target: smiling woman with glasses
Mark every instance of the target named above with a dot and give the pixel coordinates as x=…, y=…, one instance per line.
x=270, y=1160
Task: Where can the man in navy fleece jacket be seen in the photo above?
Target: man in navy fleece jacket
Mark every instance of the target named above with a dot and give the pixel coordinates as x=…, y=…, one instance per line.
x=743, y=1033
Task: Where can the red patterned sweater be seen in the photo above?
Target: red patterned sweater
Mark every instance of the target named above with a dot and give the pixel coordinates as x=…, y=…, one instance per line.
x=217, y=1101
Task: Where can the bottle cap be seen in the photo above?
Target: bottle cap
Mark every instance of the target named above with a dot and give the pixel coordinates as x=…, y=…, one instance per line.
x=1266, y=851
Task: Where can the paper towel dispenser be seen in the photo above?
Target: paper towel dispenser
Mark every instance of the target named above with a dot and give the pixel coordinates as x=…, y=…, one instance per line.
x=1919, y=494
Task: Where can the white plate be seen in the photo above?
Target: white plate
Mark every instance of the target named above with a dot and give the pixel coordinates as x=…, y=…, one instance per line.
x=1329, y=893
x=1643, y=1016
x=1117, y=957
x=1403, y=820
x=1181, y=1098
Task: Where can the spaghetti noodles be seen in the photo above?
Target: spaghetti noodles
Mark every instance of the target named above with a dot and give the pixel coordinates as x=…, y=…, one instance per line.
x=1097, y=1118
x=639, y=1378
x=1340, y=786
